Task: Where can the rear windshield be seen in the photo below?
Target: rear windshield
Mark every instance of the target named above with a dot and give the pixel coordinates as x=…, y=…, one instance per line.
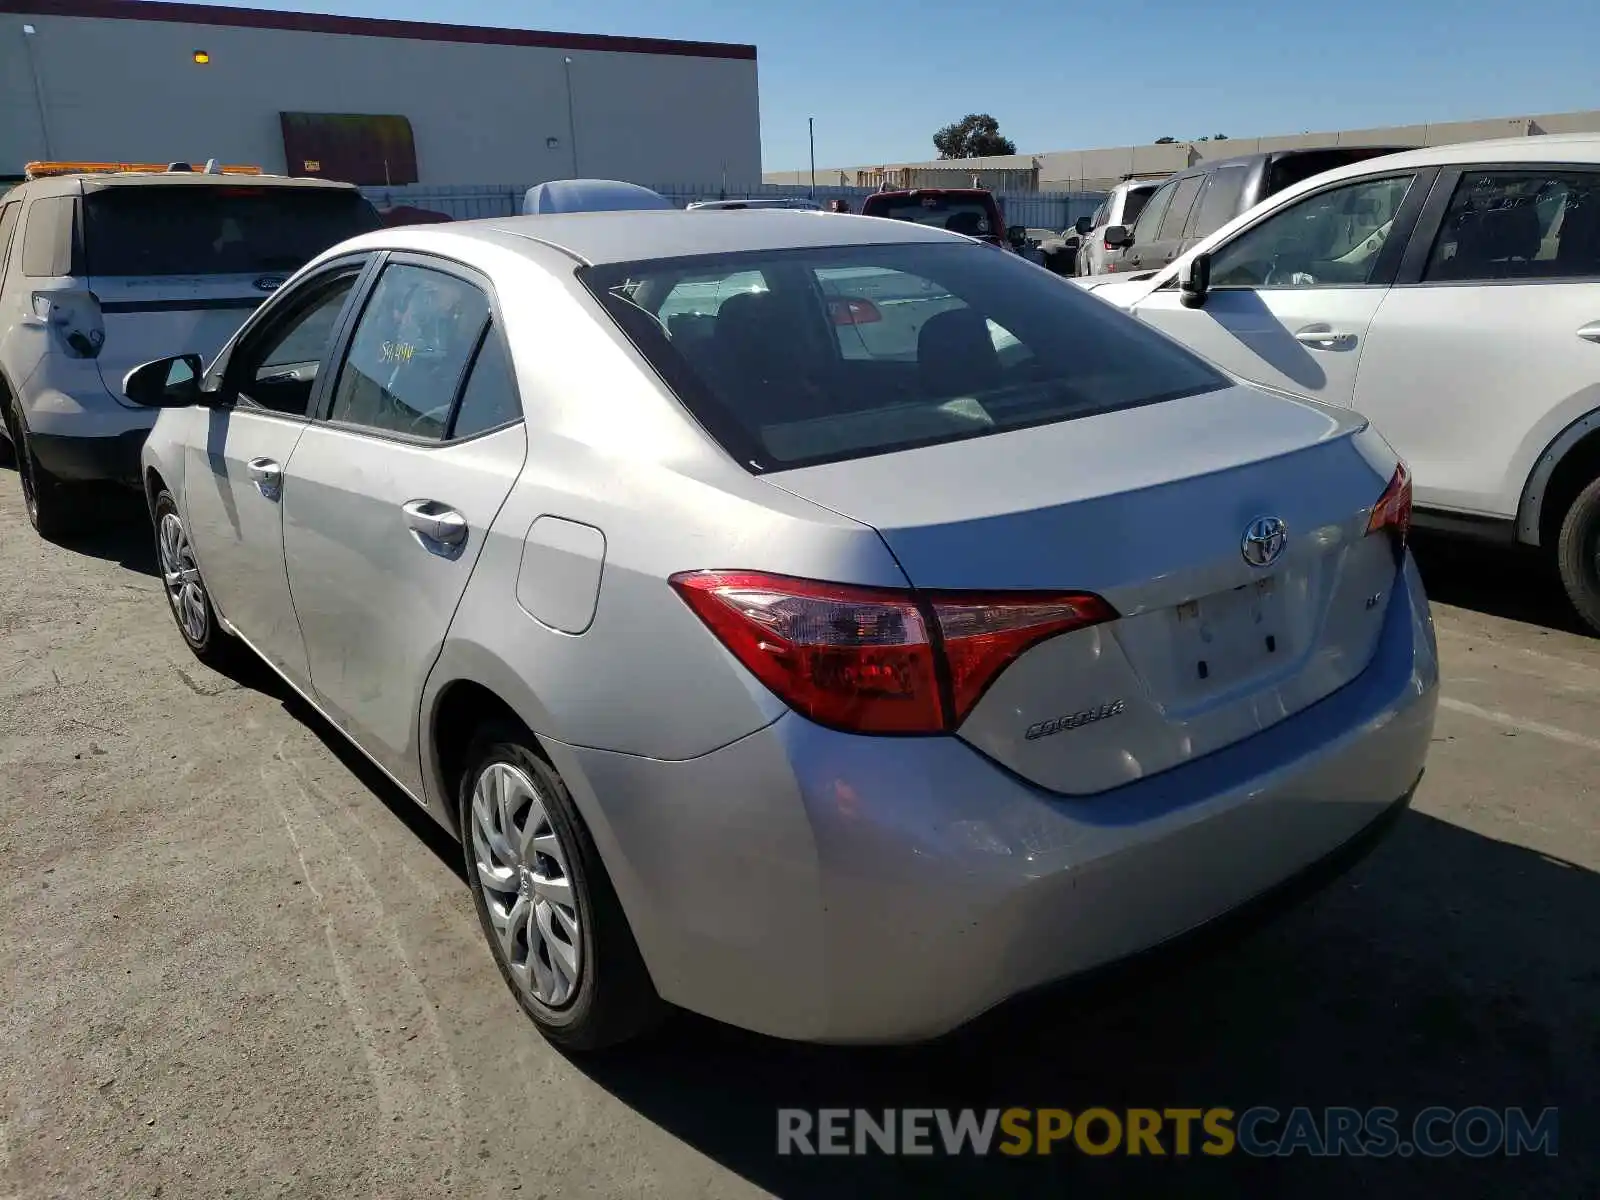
x=1133, y=203
x=220, y=230
x=795, y=357
x=959, y=214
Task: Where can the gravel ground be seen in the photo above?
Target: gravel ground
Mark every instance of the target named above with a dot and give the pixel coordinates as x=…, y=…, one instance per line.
x=235, y=962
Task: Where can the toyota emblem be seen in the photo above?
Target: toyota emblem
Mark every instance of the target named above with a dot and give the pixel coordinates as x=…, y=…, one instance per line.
x=1264, y=540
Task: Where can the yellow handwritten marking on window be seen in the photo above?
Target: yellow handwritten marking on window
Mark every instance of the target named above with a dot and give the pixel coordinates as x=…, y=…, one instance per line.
x=397, y=351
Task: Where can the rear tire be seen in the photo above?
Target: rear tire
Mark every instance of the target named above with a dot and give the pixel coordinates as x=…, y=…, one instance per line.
x=1578, y=554
x=53, y=507
x=187, y=597
x=544, y=900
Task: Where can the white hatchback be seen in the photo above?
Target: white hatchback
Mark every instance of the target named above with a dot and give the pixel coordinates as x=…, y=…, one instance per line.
x=1451, y=295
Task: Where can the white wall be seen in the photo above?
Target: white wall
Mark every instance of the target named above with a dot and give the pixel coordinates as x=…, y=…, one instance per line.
x=126, y=90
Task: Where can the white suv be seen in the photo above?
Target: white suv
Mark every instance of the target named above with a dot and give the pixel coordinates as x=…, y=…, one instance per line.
x=102, y=271
x=1451, y=295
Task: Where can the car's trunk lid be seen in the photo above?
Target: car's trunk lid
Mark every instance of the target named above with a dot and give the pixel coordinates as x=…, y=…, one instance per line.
x=1148, y=507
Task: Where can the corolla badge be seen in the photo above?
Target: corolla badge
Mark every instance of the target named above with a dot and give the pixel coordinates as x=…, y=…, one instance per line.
x=269, y=283
x=1264, y=540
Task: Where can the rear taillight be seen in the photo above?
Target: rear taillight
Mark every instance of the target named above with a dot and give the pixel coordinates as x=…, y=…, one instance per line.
x=1392, y=512
x=877, y=660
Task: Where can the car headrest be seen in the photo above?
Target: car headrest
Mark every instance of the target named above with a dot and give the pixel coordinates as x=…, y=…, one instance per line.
x=956, y=355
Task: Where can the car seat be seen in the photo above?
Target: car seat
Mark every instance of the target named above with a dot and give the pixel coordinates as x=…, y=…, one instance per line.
x=956, y=355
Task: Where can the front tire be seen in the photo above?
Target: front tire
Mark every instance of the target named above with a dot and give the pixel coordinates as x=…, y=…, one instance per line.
x=544, y=900
x=1578, y=554
x=187, y=597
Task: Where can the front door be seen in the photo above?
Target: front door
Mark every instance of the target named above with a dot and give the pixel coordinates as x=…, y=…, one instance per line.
x=233, y=482
x=1485, y=352
x=389, y=498
x=1292, y=296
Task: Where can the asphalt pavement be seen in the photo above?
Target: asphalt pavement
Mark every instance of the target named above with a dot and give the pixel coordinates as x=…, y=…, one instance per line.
x=233, y=961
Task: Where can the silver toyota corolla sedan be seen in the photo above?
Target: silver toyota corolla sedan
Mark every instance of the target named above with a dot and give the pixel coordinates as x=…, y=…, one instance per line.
x=831, y=627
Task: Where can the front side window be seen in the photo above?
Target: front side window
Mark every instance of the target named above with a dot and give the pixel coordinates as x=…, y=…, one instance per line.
x=1144, y=229
x=278, y=370
x=1220, y=204
x=1519, y=225
x=410, y=350
x=1331, y=239
x=861, y=350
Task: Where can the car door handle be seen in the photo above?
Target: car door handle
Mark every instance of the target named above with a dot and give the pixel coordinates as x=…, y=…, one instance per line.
x=1324, y=337
x=266, y=475
x=1590, y=332
x=436, y=522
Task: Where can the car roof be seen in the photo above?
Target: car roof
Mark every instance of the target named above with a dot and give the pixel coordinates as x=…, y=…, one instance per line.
x=596, y=238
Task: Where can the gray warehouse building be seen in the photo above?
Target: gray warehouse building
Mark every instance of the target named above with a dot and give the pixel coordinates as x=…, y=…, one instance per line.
x=369, y=101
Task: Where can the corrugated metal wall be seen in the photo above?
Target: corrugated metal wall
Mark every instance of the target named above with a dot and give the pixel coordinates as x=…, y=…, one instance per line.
x=1036, y=210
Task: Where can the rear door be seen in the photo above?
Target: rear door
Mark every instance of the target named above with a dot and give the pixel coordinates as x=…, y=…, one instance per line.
x=390, y=493
x=1292, y=295
x=178, y=267
x=233, y=480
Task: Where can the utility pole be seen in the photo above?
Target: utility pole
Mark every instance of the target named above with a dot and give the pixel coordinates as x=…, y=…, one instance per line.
x=572, y=120
x=811, y=136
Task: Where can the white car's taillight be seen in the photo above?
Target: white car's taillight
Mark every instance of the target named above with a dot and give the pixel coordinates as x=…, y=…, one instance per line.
x=877, y=660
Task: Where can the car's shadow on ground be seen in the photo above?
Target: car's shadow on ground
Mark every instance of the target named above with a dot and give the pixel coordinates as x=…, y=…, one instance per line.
x=1513, y=582
x=119, y=533
x=1449, y=969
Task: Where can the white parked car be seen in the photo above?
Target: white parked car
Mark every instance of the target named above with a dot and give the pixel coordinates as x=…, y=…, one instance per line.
x=1452, y=296
x=101, y=269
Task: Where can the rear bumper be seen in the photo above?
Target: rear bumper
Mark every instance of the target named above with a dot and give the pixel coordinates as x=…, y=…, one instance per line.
x=822, y=886
x=91, y=459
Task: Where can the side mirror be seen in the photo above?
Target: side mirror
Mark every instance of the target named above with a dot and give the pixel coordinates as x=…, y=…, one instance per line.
x=1083, y=225
x=1194, y=281
x=1017, y=235
x=165, y=383
x=1118, y=236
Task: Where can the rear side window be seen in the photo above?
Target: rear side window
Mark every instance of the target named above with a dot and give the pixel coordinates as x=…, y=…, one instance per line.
x=216, y=230
x=845, y=352
x=47, y=240
x=1519, y=225
x=1220, y=204
x=1133, y=204
x=490, y=398
x=1178, y=211
x=970, y=215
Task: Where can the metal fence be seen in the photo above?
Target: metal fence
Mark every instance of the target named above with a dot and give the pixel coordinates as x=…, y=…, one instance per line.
x=1036, y=210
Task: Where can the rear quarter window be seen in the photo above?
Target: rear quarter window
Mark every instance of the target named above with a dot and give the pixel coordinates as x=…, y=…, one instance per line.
x=222, y=230
x=47, y=237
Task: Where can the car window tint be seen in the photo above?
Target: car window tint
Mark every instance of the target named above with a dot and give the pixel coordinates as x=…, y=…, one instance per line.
x=1220, y=204
x=409, y=351
x=217, y=230
x=47, y=237
x=1144, y=229
x=1178, y=210
x=1133, y=204
x=279, y=370
x=490, y=398
x=1519, y=225
x=857, y=350
x=1331, y=239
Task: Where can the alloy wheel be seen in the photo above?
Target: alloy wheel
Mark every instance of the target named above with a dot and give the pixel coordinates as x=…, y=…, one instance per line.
x=185, y=591
x=522, y=865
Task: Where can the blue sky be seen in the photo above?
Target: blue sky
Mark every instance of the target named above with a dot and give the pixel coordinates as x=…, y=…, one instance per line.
x=881, y=75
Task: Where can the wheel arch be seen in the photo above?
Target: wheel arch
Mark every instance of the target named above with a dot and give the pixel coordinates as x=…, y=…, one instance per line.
x=1565, y=468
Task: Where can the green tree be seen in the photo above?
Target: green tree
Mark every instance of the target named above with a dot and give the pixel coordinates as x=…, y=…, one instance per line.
x=976, y=135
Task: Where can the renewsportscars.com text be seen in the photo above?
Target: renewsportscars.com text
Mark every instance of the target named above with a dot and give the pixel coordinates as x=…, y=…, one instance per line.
x=1263, y=1132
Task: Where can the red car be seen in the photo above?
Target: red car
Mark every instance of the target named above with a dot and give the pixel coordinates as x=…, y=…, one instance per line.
x=972, y=211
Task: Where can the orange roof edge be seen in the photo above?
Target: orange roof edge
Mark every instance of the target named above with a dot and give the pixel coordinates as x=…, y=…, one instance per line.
x=46, y=170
